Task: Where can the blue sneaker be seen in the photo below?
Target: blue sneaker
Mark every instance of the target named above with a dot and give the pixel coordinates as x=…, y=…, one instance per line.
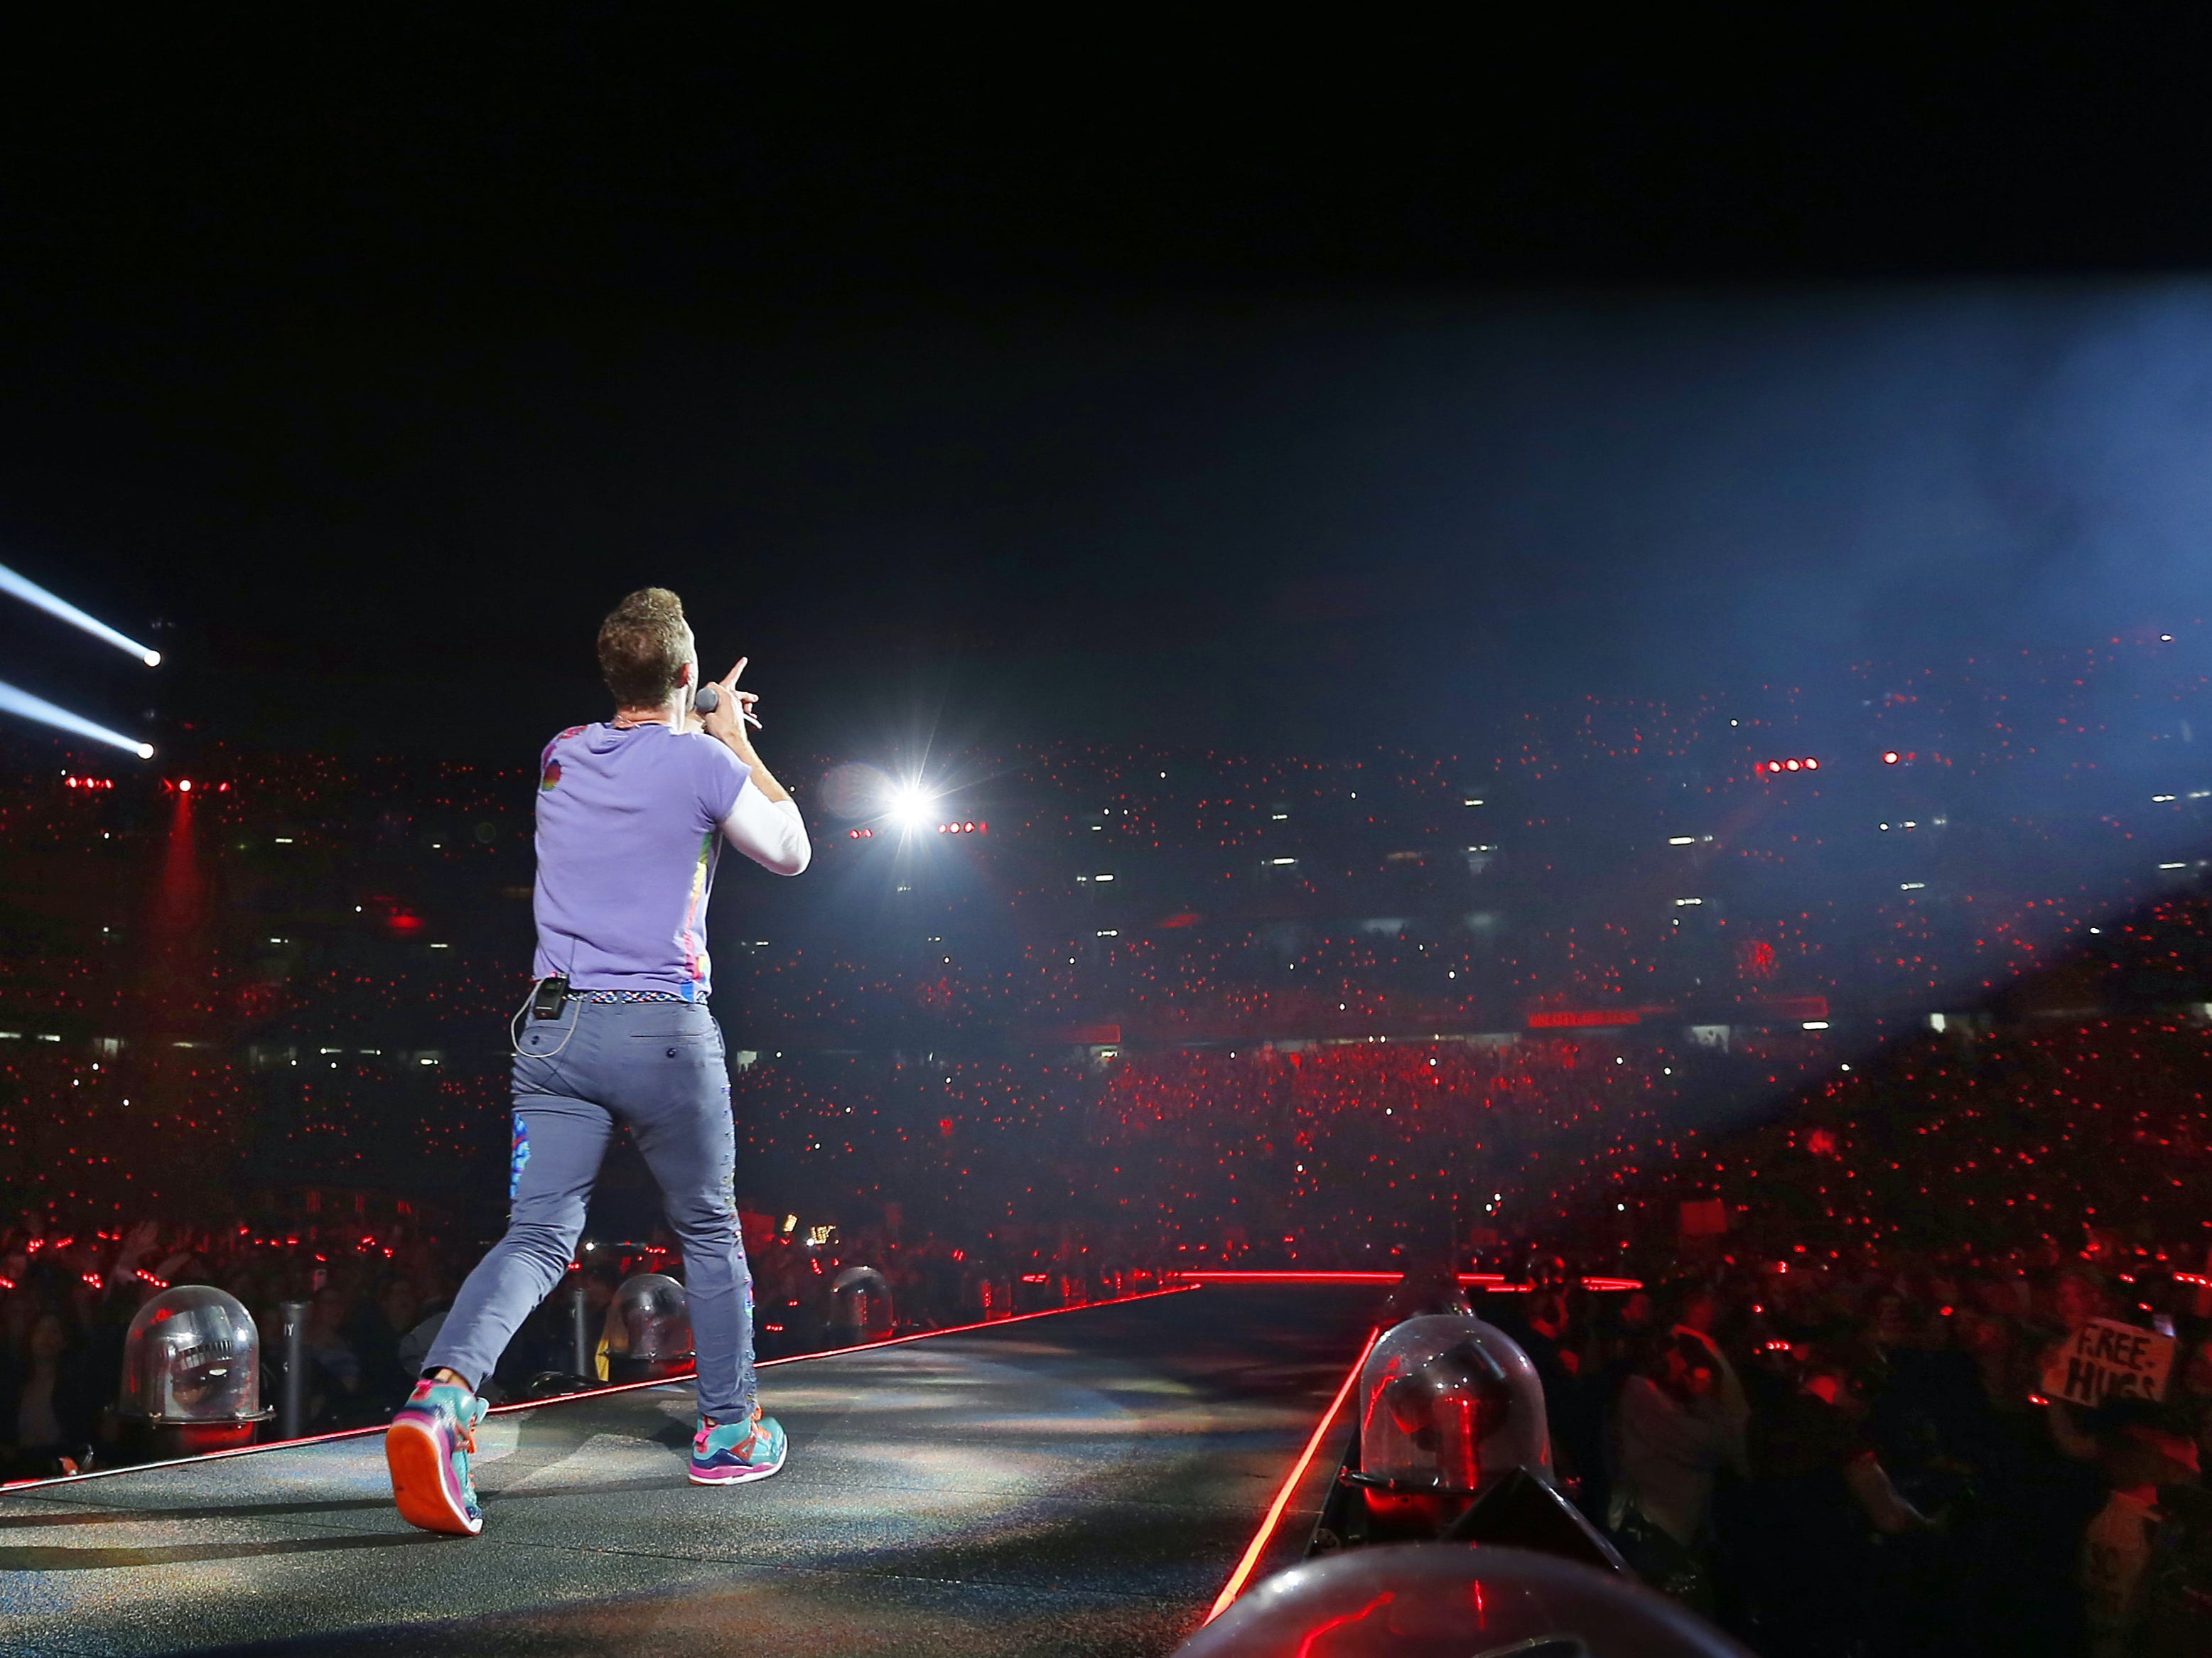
x=428, y=1449
x=732, y=1452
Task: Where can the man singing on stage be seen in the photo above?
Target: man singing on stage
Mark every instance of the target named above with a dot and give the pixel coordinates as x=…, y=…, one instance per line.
x=631, y=813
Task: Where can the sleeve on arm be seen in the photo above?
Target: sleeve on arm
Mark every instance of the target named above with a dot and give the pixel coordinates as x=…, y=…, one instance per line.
x=769, y=832
x=719, y=775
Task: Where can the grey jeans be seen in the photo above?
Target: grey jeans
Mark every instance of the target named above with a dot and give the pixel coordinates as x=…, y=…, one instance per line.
x=659, y=1067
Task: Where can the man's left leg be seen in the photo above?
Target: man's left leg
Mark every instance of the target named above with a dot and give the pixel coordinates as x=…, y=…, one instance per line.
x=559, y=1142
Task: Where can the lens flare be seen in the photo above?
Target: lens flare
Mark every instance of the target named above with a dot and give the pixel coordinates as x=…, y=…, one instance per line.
x=911, y=804
x=855, y=790
x=31, y=593
x=13, y=701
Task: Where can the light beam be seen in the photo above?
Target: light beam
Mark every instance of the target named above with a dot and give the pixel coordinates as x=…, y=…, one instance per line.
x=13, y=701
x=31, y=593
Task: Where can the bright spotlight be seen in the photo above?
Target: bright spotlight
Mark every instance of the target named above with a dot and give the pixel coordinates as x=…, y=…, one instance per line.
x=911, y=804
x=184, y=786
x=31, y=593
x=13, y=701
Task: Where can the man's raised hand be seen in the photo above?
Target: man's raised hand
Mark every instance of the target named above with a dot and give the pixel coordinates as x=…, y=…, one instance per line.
x=733, y=712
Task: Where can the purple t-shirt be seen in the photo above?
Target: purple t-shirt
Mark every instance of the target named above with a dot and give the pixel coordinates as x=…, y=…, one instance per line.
x=628, y=835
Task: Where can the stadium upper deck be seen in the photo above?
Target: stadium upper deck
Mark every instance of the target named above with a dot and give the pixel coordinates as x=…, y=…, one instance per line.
x=1897, y=843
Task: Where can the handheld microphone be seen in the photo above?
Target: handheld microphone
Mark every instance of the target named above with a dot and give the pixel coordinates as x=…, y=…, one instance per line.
x=708, y=697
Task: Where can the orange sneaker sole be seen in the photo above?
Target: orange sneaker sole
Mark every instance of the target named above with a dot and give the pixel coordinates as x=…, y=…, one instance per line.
x=417, y=1462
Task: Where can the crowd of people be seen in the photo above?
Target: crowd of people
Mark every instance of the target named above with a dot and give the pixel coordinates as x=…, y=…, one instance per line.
x=1982, y=1134
x=1250, y=898
x=1863, y=1455
x=1946, y=1135
x=1832, y=1428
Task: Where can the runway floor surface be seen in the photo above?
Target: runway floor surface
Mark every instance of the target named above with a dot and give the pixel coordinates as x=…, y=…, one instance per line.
x=1078, y=1483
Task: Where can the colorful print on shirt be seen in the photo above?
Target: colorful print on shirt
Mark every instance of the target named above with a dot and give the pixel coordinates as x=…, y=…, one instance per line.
x=696, y=965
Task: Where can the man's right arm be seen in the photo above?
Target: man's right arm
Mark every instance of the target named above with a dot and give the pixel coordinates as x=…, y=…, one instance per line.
x=763, y=822
x=768, y=829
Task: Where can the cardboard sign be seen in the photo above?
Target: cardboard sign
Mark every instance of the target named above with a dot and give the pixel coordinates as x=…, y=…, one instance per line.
x=2105, y=1360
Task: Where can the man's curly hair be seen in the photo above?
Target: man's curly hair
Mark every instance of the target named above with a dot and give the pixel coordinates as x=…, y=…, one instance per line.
x=643, y=646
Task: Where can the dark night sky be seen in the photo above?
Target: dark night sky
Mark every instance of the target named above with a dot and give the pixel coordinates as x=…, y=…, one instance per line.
x=1135, y=386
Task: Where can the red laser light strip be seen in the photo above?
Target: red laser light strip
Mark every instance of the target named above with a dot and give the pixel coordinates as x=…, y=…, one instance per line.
x=1235, y=1586
x=1594, y=1282
x=1240, y=1275
x=589, y=1392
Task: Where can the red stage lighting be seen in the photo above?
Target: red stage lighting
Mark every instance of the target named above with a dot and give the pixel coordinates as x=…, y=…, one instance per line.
x=184, y=786
x=1811, y=764
x=1889, y=757
x=1792, y=764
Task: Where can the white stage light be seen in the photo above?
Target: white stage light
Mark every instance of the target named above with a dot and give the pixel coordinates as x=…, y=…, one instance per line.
x=13, y=701
x=911, y=805
x=31, y=593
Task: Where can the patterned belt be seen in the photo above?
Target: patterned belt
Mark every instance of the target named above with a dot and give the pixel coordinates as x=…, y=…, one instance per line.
x=631, y=996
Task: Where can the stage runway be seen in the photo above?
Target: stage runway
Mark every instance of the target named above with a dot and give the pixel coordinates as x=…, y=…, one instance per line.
x=1082, y=1483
